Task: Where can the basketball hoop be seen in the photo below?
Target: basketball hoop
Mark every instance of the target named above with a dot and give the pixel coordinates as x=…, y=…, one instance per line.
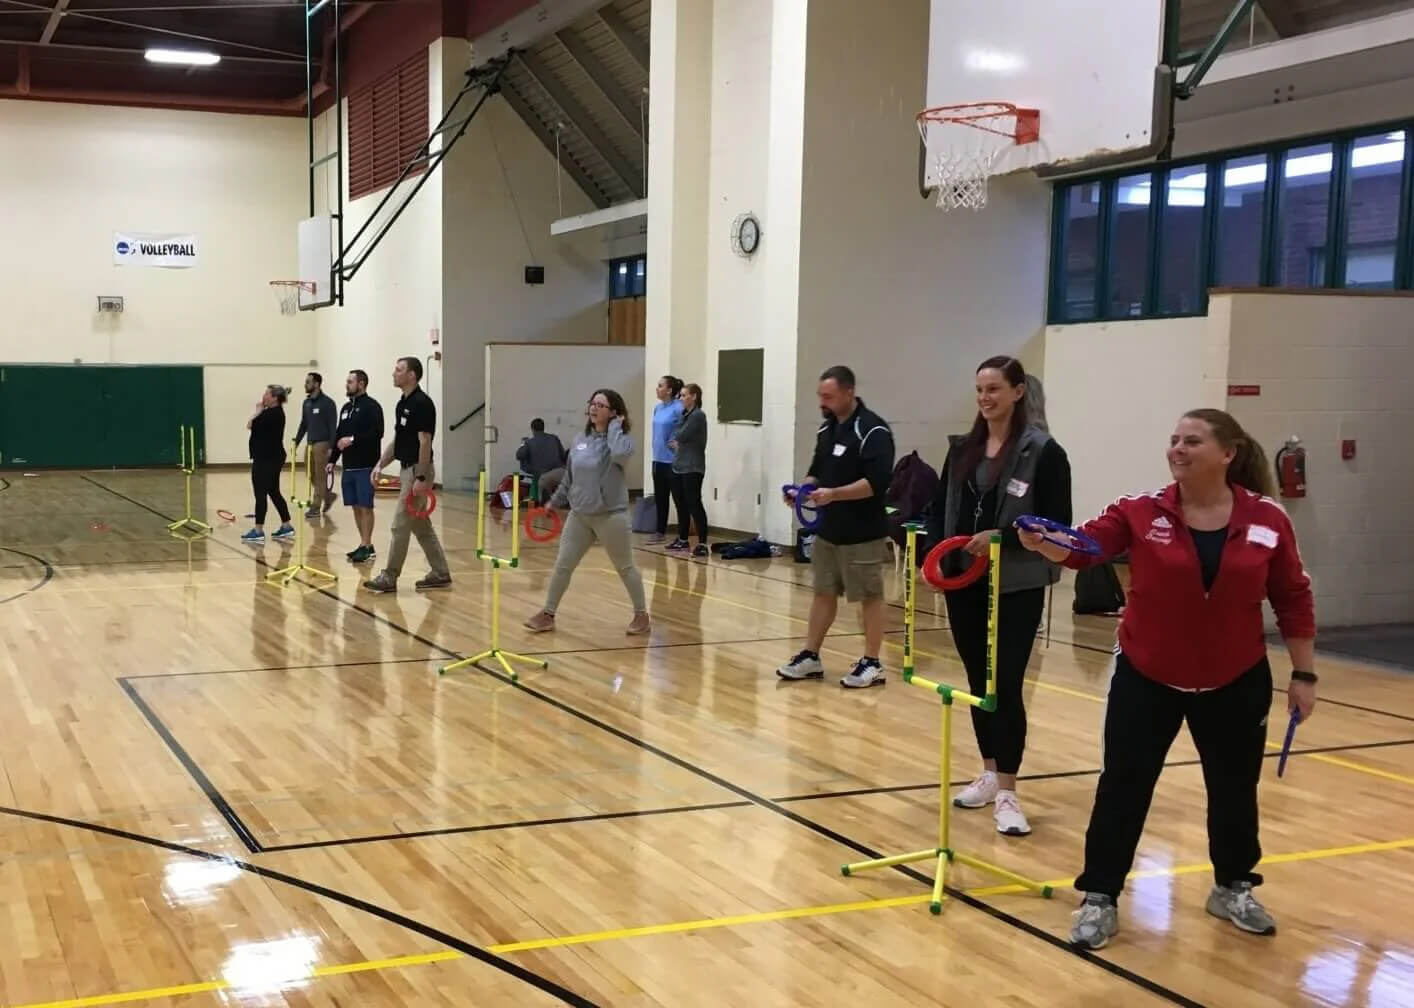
x=288, y=291
x=970, y=137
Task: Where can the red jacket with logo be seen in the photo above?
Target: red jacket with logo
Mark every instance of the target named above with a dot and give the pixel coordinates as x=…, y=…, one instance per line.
x=1172, y=630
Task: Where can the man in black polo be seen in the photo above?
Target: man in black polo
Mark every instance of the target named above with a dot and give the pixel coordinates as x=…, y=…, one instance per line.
x=318, y=422
x=849, y=474
x=414, y=424
x=357, y=441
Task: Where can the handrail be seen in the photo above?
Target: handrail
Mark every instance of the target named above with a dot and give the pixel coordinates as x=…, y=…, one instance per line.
x=467, y=417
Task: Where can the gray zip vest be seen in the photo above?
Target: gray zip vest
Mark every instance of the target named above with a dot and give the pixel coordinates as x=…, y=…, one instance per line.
x=1021, y=569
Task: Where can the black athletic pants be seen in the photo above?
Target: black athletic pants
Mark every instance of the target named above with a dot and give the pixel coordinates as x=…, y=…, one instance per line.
x=265, y=481
x=1142, y=718
x=663, y=489
x=1001, y=735
x=690, y=508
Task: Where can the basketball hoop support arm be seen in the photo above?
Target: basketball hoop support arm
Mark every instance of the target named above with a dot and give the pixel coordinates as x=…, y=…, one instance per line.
x=488, y=79
x=1204, y=59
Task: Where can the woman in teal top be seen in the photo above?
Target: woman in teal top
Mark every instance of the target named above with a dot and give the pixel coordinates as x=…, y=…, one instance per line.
x=667, y=411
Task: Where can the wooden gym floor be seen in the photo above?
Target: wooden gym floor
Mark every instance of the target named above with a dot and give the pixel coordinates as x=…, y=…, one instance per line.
x=221, y=791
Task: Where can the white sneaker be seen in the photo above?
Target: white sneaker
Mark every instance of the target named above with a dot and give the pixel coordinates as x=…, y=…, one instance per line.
x=802, y=666
x=1010, y=821
x=980, y=793
x=863, y=675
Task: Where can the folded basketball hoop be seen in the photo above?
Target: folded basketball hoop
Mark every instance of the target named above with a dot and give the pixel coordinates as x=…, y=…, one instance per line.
x=288, y=291
x=968, y=140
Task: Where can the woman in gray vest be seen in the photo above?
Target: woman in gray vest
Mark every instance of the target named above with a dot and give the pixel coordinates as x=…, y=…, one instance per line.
x=595, y=491
x=1006, y=467
x=689, y=446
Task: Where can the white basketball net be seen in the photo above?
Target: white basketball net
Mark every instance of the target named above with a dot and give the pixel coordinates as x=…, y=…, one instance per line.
x=966, y=143
x=288, y=291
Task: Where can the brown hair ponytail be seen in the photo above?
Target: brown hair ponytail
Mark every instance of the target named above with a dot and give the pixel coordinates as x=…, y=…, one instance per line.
x=1248, y=467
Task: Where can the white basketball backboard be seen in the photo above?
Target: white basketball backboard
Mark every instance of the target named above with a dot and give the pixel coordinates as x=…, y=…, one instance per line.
x=1087, y=65
x=316, y=261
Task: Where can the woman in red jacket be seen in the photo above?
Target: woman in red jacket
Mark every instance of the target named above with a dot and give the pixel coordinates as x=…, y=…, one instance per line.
x=1203, y=554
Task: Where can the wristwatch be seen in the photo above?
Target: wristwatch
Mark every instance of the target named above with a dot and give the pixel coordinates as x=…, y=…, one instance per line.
x=1298, y=676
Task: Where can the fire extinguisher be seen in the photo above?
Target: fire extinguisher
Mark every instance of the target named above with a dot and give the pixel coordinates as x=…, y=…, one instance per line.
x=1291, y=468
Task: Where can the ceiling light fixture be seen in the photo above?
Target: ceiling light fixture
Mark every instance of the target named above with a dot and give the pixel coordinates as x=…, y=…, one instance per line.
x=182, y=57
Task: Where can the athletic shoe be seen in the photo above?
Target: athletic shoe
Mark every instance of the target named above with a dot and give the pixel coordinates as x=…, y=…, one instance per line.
x=678, y=545
x=434, y=581
x=641, y=624
x=700, y=550
x=540, y=622
x=1238, y=905
x=1095, y=923
x=980, y=793
x=384, y=582
x=362, y=555
x=253, y=536
x=803, y=666
x=284, y=532
x=866, y=672
x=1009, y=818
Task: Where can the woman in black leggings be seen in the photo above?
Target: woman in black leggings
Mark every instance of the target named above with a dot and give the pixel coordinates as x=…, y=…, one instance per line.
x=267, y=462
x=689, y=445
x=1006, y=467
x=667, y=411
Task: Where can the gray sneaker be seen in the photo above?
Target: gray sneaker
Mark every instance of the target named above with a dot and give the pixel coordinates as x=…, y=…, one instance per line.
x=384, y=582
x=802, y=666
x=863, y=675
x=1238, y=905
x=1095, y=923
x=434, y=580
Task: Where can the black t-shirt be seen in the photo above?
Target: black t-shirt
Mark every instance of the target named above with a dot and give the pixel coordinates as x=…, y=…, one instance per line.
x=1210, y=553
x=415, y=415
x=846, y=451
x=267, y=435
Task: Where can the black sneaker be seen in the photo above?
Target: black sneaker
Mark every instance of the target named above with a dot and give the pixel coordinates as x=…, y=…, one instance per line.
x=362, y=555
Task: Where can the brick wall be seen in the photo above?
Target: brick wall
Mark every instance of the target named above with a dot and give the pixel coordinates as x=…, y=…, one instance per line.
x=1332, y=367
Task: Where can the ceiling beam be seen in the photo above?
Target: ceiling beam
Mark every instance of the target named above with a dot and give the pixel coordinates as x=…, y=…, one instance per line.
x=581, y=121
x=543, y=134
x=71, y=46
x=52, y=25
x=1282, y=17
x=618, y=27
x=603, y=80
x=22, y=72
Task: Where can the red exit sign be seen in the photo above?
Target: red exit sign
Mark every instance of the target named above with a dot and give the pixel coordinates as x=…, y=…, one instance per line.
x=1238, y=390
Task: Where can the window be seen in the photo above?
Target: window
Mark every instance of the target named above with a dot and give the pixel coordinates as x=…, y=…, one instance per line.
x=1080, y=243
x=1303, y=216
x=1375, y=168
x=387, y=127
x=1128, y=275
x=628, y=277
x=1181, y=259
x=1242, y=197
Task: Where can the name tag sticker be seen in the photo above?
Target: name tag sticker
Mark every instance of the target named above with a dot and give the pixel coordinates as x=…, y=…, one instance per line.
x=402, y=421
x=314, y=409
x=1262, y=536
x=839, y=450
x=1017, y=488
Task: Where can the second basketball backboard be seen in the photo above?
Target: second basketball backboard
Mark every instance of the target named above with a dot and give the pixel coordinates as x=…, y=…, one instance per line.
x=1088, y=66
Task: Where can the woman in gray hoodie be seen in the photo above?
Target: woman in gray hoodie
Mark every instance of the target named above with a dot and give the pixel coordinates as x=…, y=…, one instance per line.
x=596, y=494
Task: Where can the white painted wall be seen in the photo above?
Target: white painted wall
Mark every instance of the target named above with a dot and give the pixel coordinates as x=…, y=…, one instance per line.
x=1330, y=368
x=528, y=380
x=499, y=197
x=1115, y=390
x=910, y=297
x=74, y=174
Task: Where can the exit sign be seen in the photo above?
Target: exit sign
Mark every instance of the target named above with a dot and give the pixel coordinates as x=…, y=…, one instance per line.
x=1241, y=390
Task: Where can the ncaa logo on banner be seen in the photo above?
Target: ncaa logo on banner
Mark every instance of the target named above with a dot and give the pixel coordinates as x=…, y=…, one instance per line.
x=164, y=251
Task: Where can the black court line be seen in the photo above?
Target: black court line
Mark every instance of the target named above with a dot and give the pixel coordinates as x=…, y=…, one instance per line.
x=537, y=981
x=44, y=579
x=1015, y=922
x=283, y=668
x=218, y=801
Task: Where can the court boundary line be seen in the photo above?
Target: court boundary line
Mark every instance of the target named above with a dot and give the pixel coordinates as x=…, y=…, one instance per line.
x=476, y=952
x=47, y=576
x=1026, y=927
x=701, y=924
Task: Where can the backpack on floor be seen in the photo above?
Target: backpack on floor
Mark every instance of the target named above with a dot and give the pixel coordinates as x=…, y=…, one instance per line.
x=1098, y=591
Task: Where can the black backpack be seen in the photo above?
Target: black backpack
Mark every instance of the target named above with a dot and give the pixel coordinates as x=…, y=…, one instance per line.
x=1098, y=591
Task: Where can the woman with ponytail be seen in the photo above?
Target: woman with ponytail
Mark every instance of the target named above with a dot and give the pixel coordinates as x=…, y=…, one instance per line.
x=1204, y=553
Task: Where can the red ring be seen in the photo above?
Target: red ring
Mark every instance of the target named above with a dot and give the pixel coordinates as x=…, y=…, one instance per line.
x=417, y=512
x=932, y=564
x=532, y=533
x=225, y=516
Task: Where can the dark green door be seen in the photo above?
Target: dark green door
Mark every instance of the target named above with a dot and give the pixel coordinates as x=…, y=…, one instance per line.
x=89, y=417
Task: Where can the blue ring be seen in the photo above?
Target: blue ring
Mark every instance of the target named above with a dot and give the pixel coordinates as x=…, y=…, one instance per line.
x=811, y=523
x=1079, y=541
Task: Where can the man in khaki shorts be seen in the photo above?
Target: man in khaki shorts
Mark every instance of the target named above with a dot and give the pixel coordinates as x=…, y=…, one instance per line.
x=850, y=473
